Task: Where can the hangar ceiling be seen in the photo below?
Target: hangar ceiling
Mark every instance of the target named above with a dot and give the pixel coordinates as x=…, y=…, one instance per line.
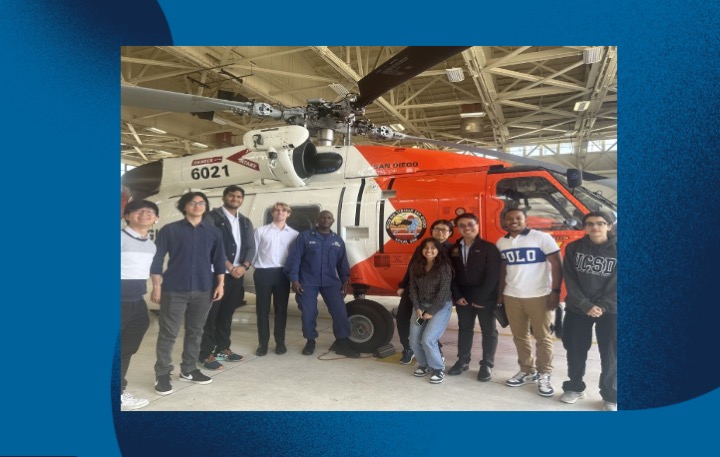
x=528, y=96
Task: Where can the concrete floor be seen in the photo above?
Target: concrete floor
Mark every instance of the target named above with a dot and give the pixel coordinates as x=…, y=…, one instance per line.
x=327, y=382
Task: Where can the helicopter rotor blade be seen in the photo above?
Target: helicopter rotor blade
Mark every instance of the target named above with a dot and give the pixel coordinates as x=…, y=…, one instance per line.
x=596, y=179
x=404, y=65
x=144, y=97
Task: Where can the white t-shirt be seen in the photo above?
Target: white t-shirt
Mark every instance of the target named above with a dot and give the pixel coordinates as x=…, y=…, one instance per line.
x=528, y=273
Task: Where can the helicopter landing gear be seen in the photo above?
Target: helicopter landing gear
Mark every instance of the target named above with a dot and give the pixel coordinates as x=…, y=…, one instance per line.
x=371, y=325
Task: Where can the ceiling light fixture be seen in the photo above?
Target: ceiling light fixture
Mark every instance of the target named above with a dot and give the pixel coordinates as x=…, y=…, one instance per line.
x=339, y=89
x=218, y=120
x=156, y=130
x=475, y=114
x=455, y=75
x=397, y=127
x=592, y=55
x=199, y=145
x=581, y=106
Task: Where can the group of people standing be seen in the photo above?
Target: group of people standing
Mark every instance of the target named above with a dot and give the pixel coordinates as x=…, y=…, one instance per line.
x=523, y=272
x=208, y=254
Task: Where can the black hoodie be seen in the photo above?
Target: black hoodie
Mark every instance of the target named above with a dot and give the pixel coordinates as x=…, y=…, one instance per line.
x=590, y=274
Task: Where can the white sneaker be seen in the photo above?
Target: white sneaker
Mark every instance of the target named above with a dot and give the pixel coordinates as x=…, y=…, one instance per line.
x=521, y=378
x=544, y=387
x=129, y=402
x=571, y=397
x=609, y=406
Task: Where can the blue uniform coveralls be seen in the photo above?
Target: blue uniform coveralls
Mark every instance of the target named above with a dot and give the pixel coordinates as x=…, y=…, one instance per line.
x=319, y=262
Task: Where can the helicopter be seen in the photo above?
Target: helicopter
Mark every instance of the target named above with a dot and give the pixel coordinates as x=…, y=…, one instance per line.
x=384, y=198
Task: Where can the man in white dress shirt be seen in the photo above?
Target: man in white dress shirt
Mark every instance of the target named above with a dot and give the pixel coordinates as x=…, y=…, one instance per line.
x=272, y=241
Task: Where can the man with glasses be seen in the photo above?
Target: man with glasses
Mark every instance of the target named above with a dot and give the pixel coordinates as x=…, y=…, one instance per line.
x=590, y=272
x=476, y=263
x=530, y=279
x=185, y=289
x=136, y=255
x=239, y=243
x=441, y=230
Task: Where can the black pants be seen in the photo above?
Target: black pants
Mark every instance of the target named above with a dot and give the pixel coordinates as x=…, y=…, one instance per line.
x=466, y=330
x=577, y=339
x=216, y=333
x=134, y=322
x=271, y=284
x=404, y=314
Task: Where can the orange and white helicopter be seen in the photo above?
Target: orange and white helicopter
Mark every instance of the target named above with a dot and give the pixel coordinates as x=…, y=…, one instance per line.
x=383, y=198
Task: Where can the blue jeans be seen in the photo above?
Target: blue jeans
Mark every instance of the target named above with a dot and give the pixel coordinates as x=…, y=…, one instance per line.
x=424, y=338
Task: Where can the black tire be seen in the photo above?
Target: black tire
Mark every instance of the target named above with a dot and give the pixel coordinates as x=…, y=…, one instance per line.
x=371, y=325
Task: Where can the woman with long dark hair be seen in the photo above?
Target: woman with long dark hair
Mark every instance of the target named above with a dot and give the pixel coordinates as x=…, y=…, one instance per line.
x=430, y=279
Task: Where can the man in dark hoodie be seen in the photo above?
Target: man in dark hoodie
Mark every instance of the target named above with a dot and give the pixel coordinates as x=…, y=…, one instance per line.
x=590, y=272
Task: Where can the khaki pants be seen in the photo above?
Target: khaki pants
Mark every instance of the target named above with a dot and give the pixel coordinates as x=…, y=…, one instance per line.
x=524, y=313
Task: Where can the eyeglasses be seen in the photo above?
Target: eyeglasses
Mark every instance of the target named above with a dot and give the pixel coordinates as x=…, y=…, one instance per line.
x=464, y=226
x=197, y=203
x=595, y=224
x=440, y=229
x=144, y=212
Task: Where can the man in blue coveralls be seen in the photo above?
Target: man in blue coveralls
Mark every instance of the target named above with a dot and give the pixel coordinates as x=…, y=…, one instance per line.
x=317, y=263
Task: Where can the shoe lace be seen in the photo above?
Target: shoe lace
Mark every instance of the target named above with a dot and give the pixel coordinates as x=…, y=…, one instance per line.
x=544, y=380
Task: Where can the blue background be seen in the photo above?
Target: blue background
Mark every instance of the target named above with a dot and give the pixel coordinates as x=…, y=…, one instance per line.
x=61, y=65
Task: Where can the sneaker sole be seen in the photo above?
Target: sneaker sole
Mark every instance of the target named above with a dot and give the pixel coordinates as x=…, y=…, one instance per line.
x=194, y=381
x=573, y=400
x=133, y=407
x=408, y=362
x=436, y=382
x=417, y=375
x=168, y=392
x=548, y=394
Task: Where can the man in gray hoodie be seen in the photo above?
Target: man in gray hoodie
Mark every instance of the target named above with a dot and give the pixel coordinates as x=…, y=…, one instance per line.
x=590, y=273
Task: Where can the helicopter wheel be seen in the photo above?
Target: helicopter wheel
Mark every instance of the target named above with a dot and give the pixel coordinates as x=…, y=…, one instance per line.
x=371, y=325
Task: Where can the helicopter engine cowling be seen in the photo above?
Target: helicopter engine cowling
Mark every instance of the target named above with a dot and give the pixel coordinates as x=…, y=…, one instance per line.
x=286, y=151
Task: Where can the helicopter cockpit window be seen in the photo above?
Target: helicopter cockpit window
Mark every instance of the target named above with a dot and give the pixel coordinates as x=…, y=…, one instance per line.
x=546, y=207
x=301, y=218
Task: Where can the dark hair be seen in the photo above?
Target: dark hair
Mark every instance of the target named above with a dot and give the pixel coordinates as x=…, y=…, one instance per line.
x=442, y=222
x=135, y=205
x=187, y=198
x=233, y=188
x=417, y=264
x=601, y=214
x=511, y=209
x=466, y=216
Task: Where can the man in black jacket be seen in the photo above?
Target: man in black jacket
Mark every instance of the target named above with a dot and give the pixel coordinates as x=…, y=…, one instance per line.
x=590, y=273
x=239, y=243
x=476, y=263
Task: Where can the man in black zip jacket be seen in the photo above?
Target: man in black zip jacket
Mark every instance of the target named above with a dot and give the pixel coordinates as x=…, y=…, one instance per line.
x=239, y=243
x=476, y=263
x=590, y=273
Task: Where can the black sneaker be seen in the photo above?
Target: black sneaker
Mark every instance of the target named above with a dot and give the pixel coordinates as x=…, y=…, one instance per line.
x=342, y=347
x=407, y=356
x=309, y=348
x=485, y=373
x=195, y=376
x=437, y=377
x=422, y=371
x=162, y=385
x=458, y=368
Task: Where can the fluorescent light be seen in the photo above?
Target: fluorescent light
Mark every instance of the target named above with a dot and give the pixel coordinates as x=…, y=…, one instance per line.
x=475, y=114
x=397, y=127
x=581, y=106
x=455, y=75
x=339, y=89
x=155, y=130
x=592, y=55
x=199, y=145
x=218, y=120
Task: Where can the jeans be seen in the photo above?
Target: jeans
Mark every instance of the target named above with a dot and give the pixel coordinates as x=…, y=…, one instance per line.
x=424, y=338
